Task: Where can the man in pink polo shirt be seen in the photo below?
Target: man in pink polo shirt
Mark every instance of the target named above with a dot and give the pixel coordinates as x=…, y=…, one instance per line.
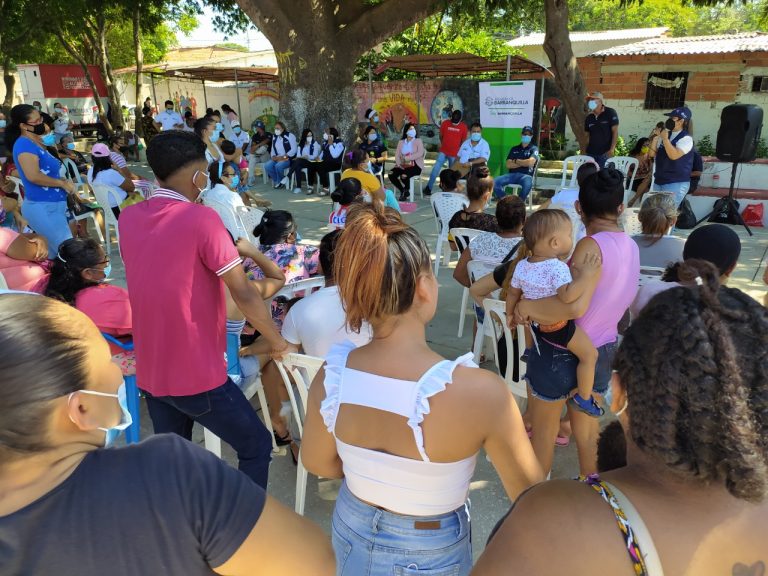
x=177, y=253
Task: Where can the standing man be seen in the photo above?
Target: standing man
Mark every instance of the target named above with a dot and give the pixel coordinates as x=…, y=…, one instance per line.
x=602, y=128
x=170, y=119
x=452, y=133
x=178, y=257
x=521, y=162
x=474, y=152
x=258, y=153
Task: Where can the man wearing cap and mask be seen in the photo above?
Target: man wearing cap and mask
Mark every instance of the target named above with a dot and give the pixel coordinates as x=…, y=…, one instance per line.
x=258, y=153
x=674, y=155
x=602, y=128
x=521, y=162
x=452, y=133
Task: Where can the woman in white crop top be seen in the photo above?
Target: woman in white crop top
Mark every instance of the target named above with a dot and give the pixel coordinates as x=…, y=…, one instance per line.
x=402, y=425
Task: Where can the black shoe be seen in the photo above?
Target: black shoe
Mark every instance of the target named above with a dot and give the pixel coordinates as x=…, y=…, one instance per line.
x=427, y=191
x=403, y=198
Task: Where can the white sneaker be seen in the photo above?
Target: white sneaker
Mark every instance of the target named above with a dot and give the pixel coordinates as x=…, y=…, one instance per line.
x=297, y=190
x=284, y=181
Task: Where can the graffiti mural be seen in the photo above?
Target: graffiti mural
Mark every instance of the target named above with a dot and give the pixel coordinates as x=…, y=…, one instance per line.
x=264, y=103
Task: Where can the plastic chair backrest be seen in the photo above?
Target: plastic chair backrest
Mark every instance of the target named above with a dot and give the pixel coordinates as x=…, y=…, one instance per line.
x=630, y=221
x=103, y=193
x=306, y=285
x=627, y=166
x=477, y=269
x=303, y=368
x=649, y=273
x=445, y=205
x=463, y=236
x=229, y=217
x=71, y=168
x=495, y=312
x=250, y=217
x=577, y=161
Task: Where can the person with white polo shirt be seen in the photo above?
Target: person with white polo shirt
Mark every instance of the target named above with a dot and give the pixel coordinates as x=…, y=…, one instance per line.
x=474, y=152
x=170, y=119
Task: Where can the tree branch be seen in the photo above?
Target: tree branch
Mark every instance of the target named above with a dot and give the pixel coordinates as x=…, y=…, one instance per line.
x=264, y=13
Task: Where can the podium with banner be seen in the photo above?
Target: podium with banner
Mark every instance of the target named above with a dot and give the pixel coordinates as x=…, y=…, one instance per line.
x=505, y=107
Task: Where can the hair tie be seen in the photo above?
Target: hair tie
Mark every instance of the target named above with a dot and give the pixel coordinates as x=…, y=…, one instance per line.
x=58, y=255
x=699, y=281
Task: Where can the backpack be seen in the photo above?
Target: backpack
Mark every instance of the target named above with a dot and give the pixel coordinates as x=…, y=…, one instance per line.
x=686, y=219
x=725, y=211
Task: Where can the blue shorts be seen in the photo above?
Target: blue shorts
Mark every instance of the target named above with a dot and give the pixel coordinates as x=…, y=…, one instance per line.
x=551, y=371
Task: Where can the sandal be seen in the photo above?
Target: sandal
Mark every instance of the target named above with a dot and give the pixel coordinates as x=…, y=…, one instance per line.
x=562, y=441
x=283, y=440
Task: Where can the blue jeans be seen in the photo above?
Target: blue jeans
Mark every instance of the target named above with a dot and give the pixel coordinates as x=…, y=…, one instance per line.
x=437, y=168
x=49, y=219
x=226, y=412
x=276, y=170
x=524, y=180
x=551, y=371
x=601, y=159
x=679, y=189
x=369, y=541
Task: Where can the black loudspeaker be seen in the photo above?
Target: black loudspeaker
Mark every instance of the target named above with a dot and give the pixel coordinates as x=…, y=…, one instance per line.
x=740, y=126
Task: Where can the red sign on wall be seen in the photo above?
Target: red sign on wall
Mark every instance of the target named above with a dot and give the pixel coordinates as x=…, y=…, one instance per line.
x=69, y=81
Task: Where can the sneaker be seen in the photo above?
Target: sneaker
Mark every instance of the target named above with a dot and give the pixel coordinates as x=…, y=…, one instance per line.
x=297, y=190
x=310, y=191
x=276, y=186
x=284, y=181
x=324, y=192
x=588, y=406
x=427, y=191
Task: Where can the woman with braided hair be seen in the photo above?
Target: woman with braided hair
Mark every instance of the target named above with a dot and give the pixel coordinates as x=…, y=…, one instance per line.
x=691, y=392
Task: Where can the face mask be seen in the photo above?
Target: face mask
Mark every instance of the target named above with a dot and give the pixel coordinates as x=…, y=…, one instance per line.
x=70, y=146
x=125, y=420
x=205, y=188
x=49, y=139
x=644, y=150
x=411, y=133
x=215, y=135
x=325, y=137
x=476, y=136
x=526, y=139
x=2, y=123
x=235, y=180
x=38, y=108
x=369, y=167
x=219, y=126
x=278, y=132
x=669, y=124
x=592, y=105
x=309, y=139
x=237, y=129
x=375, y=118
x=58, y=110
x=169, y=109
x=38, y=129
x=107, y=270
x=371, y=136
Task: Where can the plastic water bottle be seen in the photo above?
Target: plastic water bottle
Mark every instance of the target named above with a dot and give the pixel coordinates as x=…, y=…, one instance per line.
x=716, y=181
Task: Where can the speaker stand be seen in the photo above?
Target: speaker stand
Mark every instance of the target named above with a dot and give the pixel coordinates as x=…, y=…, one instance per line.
x=731, y=207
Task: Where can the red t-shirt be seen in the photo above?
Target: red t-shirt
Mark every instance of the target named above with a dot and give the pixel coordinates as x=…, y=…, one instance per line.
x=174, y=253
x=451, y=137
x=20, y=274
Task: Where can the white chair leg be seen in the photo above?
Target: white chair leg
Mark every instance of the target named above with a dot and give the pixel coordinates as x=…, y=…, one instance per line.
x=297, y=415
x=438, y=254
x=267, y=418
x=301, y=486
x=477, y=347
x=463, y=310
x=212, y=442
x=446, y=253
x=100, y=236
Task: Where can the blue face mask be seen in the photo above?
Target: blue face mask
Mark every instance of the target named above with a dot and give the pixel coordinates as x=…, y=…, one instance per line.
x=375, y=118
x=215, y=135
x=3, y=123
x=49, y=139
x=70, y=146
x=107, y=270
x=526, y=139
x=592, y=105
x=219, y=126
x=476, y=136
x=235, y=180
x=125, y=420
x=237, y=129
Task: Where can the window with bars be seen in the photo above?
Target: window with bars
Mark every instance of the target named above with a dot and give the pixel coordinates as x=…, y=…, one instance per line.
x=665, y=90
x=760, y=84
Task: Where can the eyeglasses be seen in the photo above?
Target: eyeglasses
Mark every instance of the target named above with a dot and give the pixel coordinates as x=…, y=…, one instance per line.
x=228, y=174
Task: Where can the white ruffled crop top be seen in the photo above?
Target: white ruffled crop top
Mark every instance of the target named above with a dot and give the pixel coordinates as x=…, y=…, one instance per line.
x=398, y=484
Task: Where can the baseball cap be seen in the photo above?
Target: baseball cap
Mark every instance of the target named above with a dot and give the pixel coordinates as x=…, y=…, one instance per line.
x=714, y=243
x=528, y=129
x=259, y=124
x=235, y=123
x=682, y=112
x=100, y=151
x=595, y=96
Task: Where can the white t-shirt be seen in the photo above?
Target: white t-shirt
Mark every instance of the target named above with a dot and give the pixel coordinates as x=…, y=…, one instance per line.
x=241, y=139
x=490, y=248
x=469, y=152
x=113, y=178
x=317, y=322
x=61, y=125
x=220, y=193
x=685, y=144
x=566, y=197
x=169, y=120
x=540, y=280
x=209, y=157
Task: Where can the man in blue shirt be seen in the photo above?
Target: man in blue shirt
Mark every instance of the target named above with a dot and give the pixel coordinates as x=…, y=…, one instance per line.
x=602, y=128
x=521, y=163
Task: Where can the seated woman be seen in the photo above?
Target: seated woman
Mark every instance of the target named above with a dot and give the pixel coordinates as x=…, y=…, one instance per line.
x=224, y=180
x=62, y=401
x=233, y=155
x=409, y=161
x=348, y=191
x=493, y=247
x=657, y=217
x=642, y=181
x=376, y=149
x=391, y=417
x=449, y=181
x=330, y=159
x=358, y=168
x=309, y=151
x=118, y=159
x=66, y=149
x=103, y=172
x=479, y=190
x=24, y=261
x=689, y=390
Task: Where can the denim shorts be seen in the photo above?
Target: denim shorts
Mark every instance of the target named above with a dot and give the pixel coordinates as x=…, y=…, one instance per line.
x=551, y=371
x=369, y=541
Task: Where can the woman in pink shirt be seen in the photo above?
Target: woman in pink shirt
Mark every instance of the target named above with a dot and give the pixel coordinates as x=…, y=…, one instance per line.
x=551, y=371
x=409, y=160
x=23, y=260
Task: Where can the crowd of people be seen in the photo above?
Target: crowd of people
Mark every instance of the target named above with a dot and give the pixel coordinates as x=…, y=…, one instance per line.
x=680, y=361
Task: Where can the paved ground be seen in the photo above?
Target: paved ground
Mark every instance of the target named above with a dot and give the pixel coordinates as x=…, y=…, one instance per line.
x=489, y=501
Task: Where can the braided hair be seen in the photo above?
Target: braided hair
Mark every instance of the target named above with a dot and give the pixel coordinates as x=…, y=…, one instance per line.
x=695, y=368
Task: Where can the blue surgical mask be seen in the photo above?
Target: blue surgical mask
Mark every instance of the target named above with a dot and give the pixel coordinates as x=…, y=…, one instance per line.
x=70, y=145
x=219, y=126
x=215, y=135
x=370, y=167
x=49, y=139
x=235, y=180
x=372, y=136
x=592, y=105
x=107, y=270
x=375, y=118
x=526, y=139
x=3, y=123
x=476, y=136
x=237, y=129
x=411, y=133
x=125, y=420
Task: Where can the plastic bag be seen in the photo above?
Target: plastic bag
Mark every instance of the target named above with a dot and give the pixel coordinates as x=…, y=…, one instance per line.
x=753, y=215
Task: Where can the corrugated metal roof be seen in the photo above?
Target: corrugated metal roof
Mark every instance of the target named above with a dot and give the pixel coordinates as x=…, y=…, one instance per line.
x=718, y=44
x=537, y=39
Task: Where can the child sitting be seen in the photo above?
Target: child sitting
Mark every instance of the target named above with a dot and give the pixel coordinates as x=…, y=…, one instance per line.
x=347, y=191
x=548, y=236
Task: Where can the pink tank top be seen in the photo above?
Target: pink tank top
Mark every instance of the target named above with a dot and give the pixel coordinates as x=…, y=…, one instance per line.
x=616, y=288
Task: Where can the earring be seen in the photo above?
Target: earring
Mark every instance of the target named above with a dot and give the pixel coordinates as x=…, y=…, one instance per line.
x=623, y=408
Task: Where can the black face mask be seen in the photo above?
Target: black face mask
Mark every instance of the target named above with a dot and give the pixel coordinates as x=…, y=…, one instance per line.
x=669, y=124
x=38, y=129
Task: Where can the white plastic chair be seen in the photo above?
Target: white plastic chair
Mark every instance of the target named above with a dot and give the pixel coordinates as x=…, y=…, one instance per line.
x=250, y=217
x=412, y=186
x=627, y=166
x=445, y=205
x=307, y=285
x=648, y=274
x=476, y=271
x=517, y=188
x=630, y=221
x=71, y=168
x=577, y=161
x=462, y=237
x=3, y=283
x=229, y=217
x=104, y=193
x=333, y=173
x=496, y=317
x=303, y=369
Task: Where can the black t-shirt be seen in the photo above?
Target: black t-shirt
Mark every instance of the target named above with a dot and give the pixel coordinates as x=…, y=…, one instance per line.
x=600, y=130
x=261, y=140
x=164, y=506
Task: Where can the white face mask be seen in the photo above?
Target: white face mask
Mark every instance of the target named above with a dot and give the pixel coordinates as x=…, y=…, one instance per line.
x=411, y=133
x=278, y=132
x=309, y=139
x=325, y=137
x=205, y=188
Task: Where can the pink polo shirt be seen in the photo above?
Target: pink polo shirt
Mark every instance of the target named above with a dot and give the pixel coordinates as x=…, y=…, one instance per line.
x=174, y=253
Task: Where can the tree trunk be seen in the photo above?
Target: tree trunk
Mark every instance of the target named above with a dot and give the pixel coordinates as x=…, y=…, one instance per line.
x=10, y=83
x=557, y=45
x=102, y=57
x=139, y=67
